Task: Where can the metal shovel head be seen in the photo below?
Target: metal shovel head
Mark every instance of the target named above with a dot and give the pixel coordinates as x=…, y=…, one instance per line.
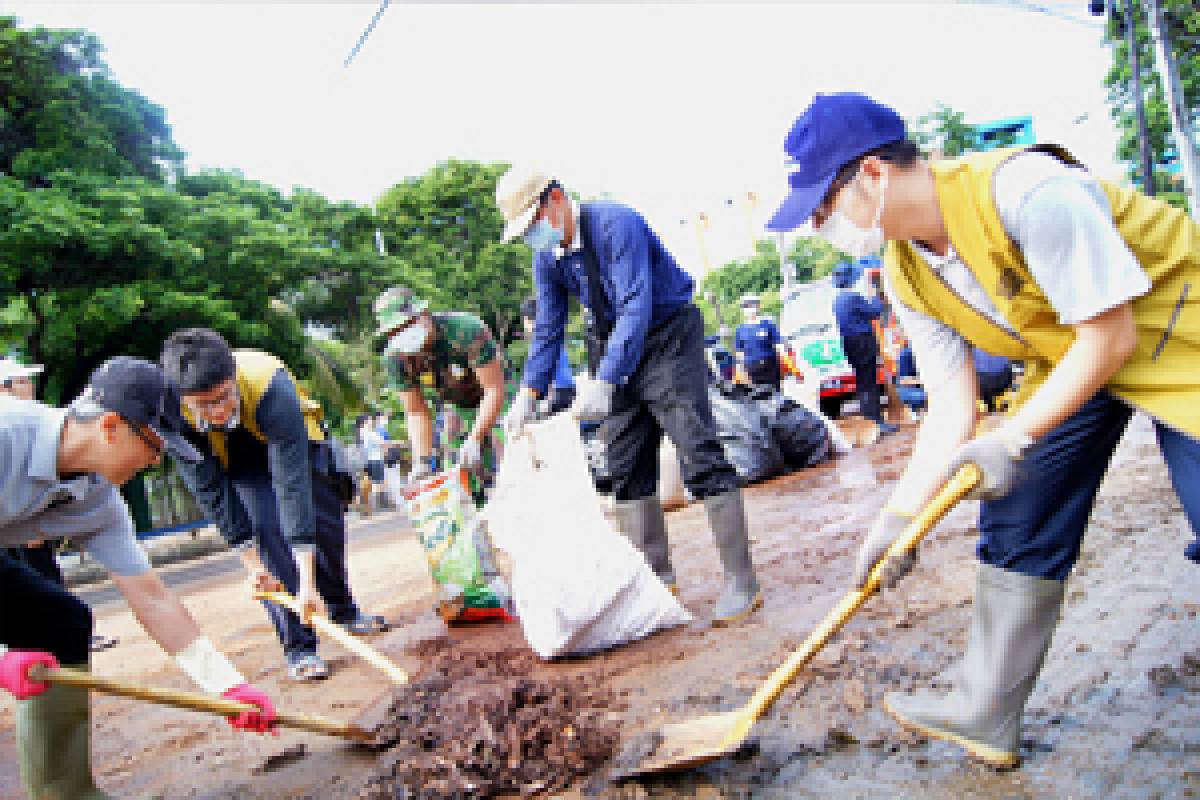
x=682, y=745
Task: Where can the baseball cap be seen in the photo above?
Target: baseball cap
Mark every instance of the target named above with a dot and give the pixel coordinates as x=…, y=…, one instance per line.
x=395, y=307
x=517, y=195
x=138, y=390
x=749, y=300
x=11, y=368
x=834, y=130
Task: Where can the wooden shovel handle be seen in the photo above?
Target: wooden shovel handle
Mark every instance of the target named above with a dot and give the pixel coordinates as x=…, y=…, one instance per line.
x=954, y=490
x=193, y=701
x=348, y=640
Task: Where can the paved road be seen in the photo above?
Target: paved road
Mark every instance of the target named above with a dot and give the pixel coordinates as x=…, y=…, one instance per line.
x=222, y=564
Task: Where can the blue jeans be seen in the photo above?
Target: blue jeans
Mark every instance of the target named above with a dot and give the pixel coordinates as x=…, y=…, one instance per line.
x=1037, y=528
x=257, y=494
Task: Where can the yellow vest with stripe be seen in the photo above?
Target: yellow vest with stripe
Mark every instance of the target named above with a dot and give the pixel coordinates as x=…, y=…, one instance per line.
x=1162, y=376
x=254, y=372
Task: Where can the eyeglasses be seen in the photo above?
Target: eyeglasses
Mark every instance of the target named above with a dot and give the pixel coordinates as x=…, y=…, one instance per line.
x=157, y=449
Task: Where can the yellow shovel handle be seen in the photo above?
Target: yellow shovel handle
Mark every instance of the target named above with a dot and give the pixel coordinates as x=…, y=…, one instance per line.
x=953, y=491
x=334, y=631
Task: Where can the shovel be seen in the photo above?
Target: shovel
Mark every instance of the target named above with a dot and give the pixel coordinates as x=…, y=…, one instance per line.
x=196, y=702
x=688, y=744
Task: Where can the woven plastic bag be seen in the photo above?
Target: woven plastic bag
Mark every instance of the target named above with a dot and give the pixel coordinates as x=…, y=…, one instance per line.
x=467, y=585
x=578, y=585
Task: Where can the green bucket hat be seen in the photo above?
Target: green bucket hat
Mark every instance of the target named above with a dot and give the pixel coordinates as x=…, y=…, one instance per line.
x=395, y=308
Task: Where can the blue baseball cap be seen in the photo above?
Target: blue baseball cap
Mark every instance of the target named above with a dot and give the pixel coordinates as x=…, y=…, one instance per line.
x=834, y=130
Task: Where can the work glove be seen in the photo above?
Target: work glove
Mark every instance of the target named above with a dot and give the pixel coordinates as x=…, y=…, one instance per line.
x=255, y=721
x=887, y=529
x=470, y=455
x=14, y=672
x=520, y=413
x=421, y=470
x=998, y=456
x=594, y=401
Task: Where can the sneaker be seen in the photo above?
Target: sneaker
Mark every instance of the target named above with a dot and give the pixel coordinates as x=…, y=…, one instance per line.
x=366, y=625
x=308, y=667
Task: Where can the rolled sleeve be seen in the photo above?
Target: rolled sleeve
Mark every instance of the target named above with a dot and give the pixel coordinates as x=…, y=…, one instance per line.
x=626, y=240
x=549, y=327
x=281, y=420
x=114, y=543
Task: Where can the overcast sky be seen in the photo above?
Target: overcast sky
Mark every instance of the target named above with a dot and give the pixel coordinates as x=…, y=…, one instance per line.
x=671, y=108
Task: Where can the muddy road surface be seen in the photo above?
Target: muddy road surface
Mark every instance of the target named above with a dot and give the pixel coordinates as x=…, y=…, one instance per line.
x=1116, y=712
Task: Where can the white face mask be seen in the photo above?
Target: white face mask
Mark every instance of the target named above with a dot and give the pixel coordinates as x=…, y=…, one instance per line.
x=841, y=232
x=408, y=341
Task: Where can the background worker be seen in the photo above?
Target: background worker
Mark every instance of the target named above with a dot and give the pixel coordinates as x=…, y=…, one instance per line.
x=651, y=377
x=854, y=314
x=371, y=442
x=59, y=470
x=453, y=352
x=562, y=384
x=1023, y=253
x=759, y=349
x=267, y=478
x=908, y=380
x=995, y=376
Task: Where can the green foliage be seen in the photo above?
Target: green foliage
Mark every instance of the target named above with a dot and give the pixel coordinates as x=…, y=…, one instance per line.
x=944, y=130
x=1182, y=20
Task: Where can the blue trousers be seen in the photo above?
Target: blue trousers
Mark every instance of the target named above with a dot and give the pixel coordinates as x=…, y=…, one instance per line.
x=257, y=494
x=1037, y=528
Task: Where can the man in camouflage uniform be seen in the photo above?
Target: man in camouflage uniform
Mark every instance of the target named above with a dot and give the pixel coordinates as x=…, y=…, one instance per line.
x=454, y=354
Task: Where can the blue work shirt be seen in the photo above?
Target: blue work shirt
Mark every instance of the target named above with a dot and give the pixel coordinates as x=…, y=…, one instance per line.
x=854, y=312
x=643, y=283
x=563, y=377
x=756, y=341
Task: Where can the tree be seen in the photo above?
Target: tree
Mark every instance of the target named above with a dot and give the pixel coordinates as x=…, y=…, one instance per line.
x=944, y=130
x=1182, y=21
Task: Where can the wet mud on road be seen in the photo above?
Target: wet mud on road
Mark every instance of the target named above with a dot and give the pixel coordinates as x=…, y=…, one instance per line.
x=1116, y=712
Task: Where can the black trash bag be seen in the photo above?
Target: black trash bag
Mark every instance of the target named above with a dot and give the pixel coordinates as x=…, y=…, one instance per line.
x=799, y=433
x=744, y=434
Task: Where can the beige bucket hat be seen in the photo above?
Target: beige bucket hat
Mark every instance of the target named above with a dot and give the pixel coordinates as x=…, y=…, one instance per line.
x=517, y=194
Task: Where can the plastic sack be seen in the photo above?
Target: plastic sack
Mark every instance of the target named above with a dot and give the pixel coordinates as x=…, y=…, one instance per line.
x=799, y=433
x=578, y=585
x=467, y=585
x=744, y=434
x=805, y=393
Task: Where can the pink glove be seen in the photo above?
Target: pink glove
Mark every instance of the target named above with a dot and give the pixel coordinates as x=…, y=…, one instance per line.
x=14, y=671
x=258, y=721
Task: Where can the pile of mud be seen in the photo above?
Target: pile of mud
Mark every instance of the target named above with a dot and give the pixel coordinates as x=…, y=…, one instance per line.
x=476, y=725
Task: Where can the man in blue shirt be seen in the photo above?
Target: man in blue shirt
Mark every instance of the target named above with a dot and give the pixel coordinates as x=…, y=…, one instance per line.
x=854, y=315
x=994, y=374
x=562, y=385
x=649, y=379
x=757, y=342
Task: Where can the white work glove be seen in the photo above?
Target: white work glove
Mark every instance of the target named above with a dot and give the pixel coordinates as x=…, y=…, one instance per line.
x=520, y=413
x=887, y=529
x=593, y=402
x=997, y=454
x=470, y=455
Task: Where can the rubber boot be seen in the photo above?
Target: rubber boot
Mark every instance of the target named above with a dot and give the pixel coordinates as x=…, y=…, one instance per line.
x=741, y=595
x=1013, y=622
x=643, y=522
x=54, y=745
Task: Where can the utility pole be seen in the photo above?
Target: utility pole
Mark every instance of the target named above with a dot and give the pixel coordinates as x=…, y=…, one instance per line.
x=1181, y=121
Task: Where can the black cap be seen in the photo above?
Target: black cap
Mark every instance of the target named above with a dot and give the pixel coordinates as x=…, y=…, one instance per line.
x=138, y=390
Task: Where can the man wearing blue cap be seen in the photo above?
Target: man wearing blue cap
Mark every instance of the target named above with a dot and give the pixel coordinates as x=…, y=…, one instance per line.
x=1020, y=252
x=855, y=315
x=650, y=378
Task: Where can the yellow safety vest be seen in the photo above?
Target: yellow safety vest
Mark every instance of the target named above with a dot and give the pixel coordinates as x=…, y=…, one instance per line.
x=1162, y=376
x=254, y=372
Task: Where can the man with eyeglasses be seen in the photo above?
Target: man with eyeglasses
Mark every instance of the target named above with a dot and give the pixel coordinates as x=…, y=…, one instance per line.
x=649, y=374
x=1023, y=253
x=266, y=476
x=59, y=473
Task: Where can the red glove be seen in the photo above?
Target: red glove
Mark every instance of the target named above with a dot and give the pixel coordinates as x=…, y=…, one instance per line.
x=258, y=721
x=14, y=671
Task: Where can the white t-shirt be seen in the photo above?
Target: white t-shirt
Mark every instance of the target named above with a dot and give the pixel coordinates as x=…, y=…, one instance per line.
x=372, y=442
x=1060, y=218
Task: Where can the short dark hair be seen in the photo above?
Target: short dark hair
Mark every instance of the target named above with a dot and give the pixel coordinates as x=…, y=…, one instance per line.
x=529, y=308
x=902, y=152
x=197, y=359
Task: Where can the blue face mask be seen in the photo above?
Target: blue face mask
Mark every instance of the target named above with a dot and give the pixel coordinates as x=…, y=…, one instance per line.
x=543, y=236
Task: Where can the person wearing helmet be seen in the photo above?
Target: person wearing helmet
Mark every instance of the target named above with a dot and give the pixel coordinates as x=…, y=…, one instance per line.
x=1025, y=254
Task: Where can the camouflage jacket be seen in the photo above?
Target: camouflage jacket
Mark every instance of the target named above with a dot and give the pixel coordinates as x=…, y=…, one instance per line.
x=461, y=344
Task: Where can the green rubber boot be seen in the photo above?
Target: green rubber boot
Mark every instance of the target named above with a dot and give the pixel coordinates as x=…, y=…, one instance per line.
x=741, y=595
x=54, y=745
x=643, y=522
x=1013, y=622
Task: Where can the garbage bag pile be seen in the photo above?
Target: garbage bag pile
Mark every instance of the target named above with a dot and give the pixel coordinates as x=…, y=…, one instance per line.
x=765, y=433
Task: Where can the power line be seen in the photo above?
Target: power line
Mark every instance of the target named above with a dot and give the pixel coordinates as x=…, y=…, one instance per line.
x=370, y=27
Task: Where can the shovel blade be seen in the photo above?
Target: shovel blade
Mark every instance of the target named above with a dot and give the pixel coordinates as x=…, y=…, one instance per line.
x=683, y=745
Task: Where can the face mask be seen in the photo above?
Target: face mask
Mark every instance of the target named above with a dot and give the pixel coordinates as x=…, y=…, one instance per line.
x=543, y=236
x=408, y=341
x=204, y=426
x=841, y=232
